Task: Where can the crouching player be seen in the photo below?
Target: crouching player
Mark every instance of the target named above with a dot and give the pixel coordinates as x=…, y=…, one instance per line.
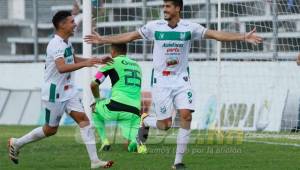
x=125, y=103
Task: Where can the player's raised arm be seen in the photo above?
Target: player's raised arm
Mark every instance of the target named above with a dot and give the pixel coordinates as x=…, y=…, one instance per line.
x=250, y=37
x=95, y=38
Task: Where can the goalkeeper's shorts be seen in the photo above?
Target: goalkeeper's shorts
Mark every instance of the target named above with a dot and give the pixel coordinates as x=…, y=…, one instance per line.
x=127, y=121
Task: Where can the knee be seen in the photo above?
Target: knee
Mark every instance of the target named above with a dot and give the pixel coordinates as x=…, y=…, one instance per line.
x=187, y=117
x=83, y=118
x=186, y=120
x=164, y=124
x=50, y=131
x=166, y=127
x=83, y=121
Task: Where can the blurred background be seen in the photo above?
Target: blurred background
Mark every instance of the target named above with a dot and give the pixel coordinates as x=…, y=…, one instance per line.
x=236, y=84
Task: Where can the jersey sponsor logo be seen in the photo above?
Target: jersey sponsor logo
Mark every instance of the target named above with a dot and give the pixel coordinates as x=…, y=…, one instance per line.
x=173, y=44
x=128, y=63
x=171, y=62
x=173, y=50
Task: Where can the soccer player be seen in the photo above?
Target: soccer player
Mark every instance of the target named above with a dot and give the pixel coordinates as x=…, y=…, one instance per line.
x=125, y=103
x=171, y=87
x=59, y=93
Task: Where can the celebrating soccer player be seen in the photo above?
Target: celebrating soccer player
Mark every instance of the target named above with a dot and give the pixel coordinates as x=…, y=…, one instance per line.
x=172, y=38
x=59, y=93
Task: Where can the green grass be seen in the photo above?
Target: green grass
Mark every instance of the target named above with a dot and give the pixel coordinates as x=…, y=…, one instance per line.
x=64, y=152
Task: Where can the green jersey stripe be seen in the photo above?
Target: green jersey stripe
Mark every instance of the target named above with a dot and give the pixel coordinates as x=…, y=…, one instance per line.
x=47, y=117
x=68, y=52
x=52, y=93
x=172, y=35
x=152, y=77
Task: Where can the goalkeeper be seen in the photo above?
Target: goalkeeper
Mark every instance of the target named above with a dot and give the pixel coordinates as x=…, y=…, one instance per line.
x=125, y=103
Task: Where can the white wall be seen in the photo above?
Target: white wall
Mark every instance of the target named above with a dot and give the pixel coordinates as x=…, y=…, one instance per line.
x=21, y=76
x=16, y=9
x=241, y=84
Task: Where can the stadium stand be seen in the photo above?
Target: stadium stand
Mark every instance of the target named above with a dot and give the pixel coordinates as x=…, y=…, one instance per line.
x=127, y=16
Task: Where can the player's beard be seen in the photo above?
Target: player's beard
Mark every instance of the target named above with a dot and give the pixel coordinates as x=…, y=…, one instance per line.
x=72, y=32
x=168, y=17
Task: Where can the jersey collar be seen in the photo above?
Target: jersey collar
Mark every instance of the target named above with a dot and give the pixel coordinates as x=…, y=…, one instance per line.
x=176, y=24
x=122, y=55
x=57, y=36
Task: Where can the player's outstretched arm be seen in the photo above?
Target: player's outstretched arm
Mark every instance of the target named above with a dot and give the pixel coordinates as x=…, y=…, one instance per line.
x=249, y=37
x=102, y=60
x=95, y=38
x=62, y=67
x=298, y=60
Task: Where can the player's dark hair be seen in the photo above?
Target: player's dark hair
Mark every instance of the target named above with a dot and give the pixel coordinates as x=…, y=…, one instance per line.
x=120, y=48
x=59, y=17
x=176, y=3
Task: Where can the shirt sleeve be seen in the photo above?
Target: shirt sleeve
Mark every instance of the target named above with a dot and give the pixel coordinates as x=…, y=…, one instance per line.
x=57, y=51
x=198, y=32
x=146, y=31
x=99, y=77
x=106, y=68
x=102, y=73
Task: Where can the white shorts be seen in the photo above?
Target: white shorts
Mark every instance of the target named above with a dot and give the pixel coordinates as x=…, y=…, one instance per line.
x=166, y=99
x=54, y=111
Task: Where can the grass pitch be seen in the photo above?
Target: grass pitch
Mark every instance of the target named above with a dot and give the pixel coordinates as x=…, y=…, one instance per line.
x=64, y=151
